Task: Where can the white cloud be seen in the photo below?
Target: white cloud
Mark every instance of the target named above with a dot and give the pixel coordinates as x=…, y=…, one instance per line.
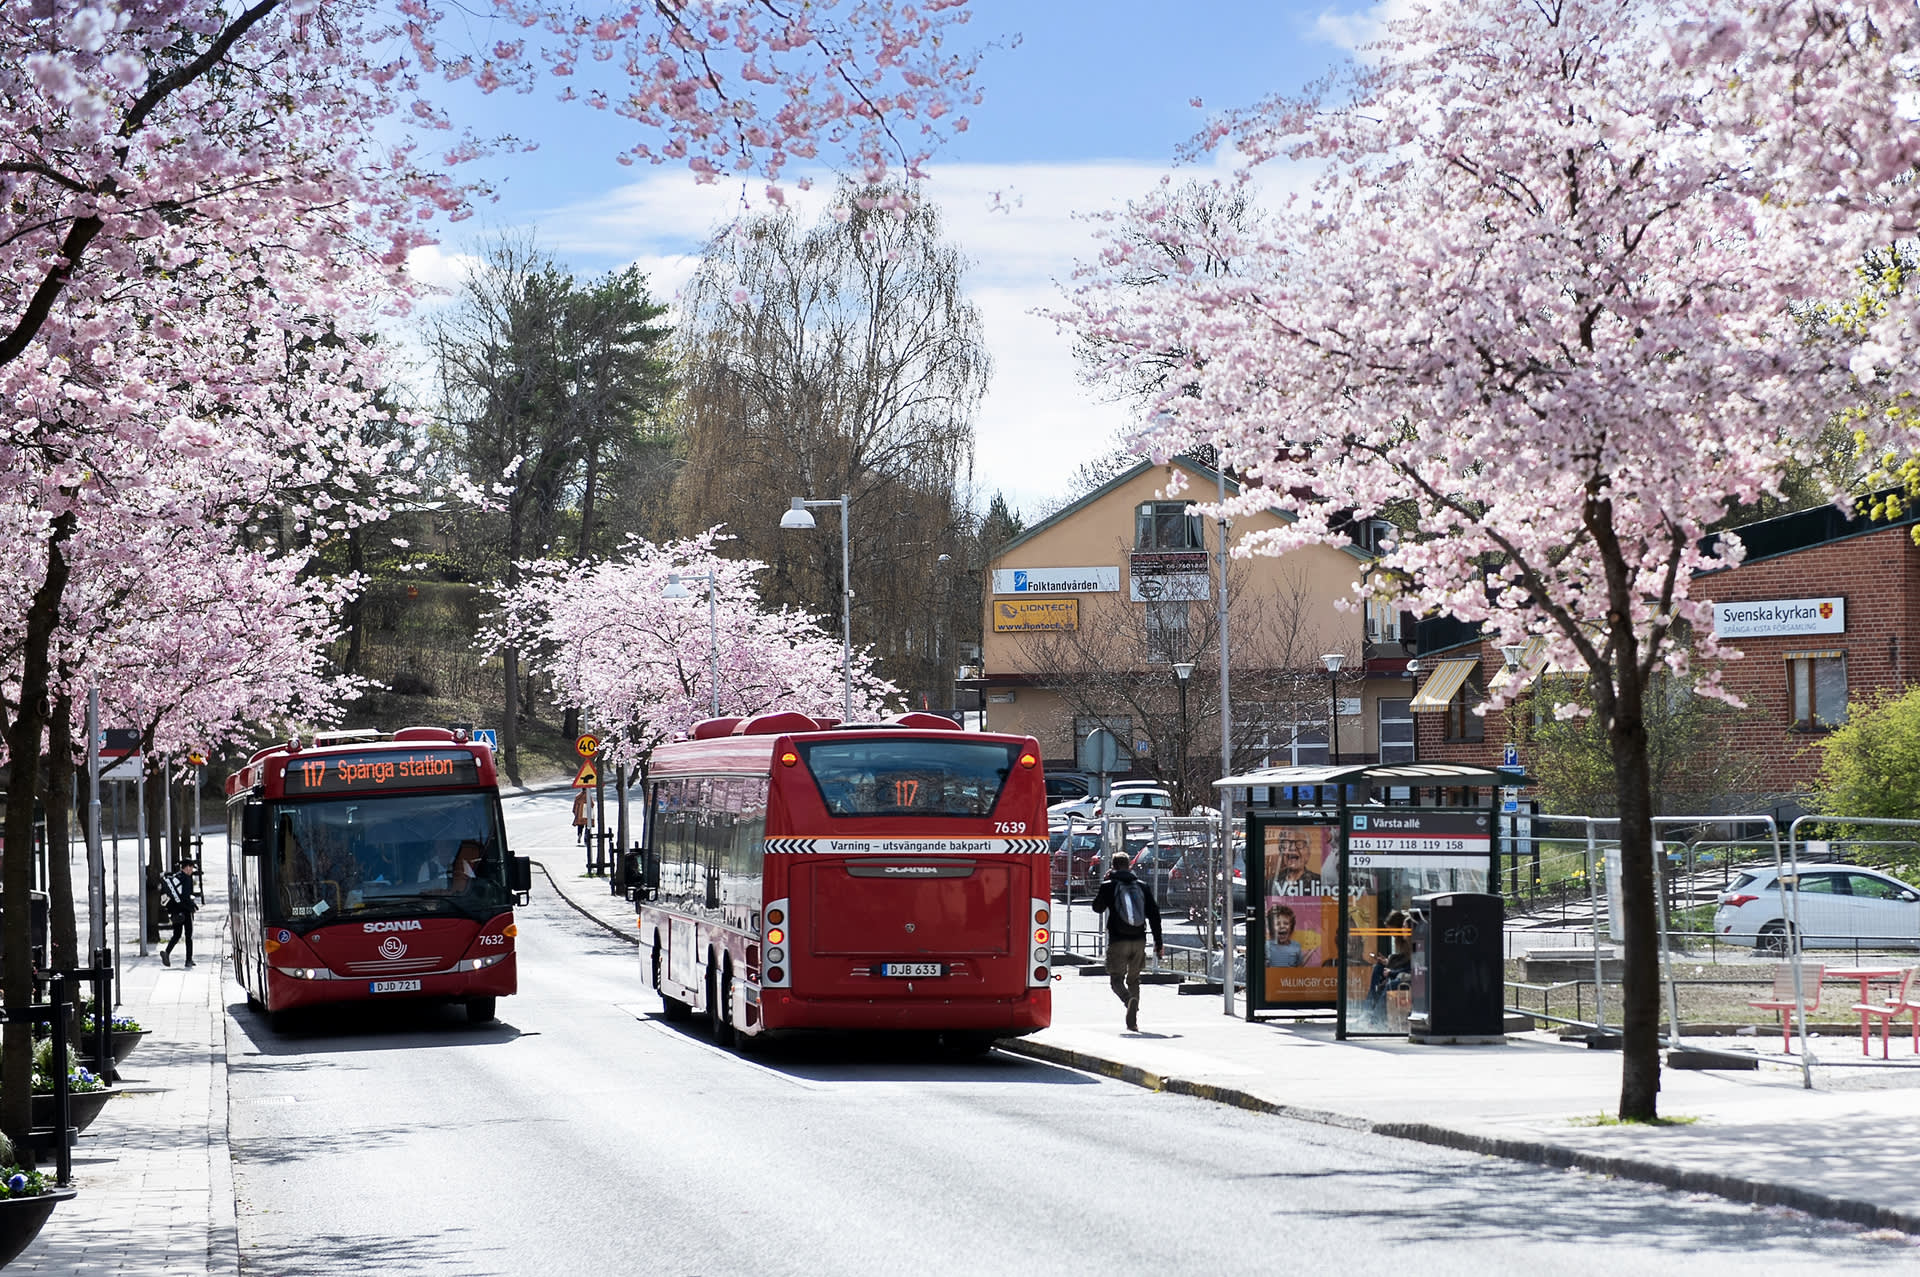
x=1355, y=30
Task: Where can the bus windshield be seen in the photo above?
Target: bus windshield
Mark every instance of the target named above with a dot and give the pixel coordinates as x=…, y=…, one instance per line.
x=887, y=776
x=388, y=857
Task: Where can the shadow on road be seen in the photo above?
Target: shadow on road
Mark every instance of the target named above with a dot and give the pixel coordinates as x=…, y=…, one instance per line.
x=393, y=1026
x=823, y=1056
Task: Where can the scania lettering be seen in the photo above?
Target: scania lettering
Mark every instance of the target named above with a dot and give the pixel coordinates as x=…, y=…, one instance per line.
x=800, y=875
x=340, y=845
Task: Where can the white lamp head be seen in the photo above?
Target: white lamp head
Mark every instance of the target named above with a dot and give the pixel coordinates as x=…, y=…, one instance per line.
x=1183, y=670
x=797, y=518
x=674, y=589
x=1333, y=661
x=1511, y=652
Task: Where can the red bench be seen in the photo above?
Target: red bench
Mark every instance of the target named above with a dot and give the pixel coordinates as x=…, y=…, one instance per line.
x=1895, y=1005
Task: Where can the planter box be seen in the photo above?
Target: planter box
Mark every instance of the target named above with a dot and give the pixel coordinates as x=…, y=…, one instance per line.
x=21, y=1219
x=123, y=1044
x=84, y=1107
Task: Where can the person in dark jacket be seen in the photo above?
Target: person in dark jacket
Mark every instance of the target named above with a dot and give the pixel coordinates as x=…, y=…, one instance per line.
x=1127, y=941
x=176, y=890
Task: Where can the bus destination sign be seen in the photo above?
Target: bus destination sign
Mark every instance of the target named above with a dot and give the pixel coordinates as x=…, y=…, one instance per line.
x=381, y=771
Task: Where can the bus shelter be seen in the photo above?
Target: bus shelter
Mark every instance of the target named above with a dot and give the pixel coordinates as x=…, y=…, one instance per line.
x=1372, y=837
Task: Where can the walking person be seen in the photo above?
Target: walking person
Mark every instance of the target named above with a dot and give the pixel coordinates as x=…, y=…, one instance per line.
x=176, y=891
x=1131, y=910
x=582, y=816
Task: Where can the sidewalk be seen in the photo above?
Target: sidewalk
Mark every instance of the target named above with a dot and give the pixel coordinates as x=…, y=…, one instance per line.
x=1843, y=1150
x=154, y=1171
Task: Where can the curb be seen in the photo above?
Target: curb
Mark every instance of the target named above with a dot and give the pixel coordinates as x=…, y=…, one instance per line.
x=1539, y=1152
x=631, y=937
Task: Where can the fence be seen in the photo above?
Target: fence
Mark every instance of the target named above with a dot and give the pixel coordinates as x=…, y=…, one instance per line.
x=1178, y=857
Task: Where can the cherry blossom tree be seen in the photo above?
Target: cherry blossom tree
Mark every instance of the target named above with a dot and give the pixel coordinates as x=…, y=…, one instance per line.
x=639, y=665
x=1561, y=290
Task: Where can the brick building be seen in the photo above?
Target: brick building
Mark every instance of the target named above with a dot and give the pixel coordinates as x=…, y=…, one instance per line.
x=1824, y=610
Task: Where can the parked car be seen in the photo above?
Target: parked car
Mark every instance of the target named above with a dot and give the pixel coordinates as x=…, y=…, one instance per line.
x=1067, y=786
x=1139, y=801
x=1188, y=886
x=1839, y=907
x=1080, y=850
x=1088, y=808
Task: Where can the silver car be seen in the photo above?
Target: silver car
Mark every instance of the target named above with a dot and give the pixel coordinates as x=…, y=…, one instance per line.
x=1838, y=907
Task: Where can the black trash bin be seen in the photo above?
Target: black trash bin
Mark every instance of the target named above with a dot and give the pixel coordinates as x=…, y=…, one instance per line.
x=1458, y=991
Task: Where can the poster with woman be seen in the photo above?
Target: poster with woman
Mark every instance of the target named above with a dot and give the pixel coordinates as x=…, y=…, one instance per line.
x=1300, y=918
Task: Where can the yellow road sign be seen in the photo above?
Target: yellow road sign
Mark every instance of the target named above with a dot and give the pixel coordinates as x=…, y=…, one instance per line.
x=586, y=777
x=587, y=746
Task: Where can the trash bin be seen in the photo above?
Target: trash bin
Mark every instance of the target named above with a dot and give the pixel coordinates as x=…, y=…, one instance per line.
x=1457, y=955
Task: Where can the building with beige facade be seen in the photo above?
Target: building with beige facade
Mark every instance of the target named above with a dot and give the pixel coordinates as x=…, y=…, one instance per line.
x=1093, y=614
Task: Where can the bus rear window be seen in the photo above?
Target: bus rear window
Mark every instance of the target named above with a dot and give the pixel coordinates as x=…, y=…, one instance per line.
x=894, y=777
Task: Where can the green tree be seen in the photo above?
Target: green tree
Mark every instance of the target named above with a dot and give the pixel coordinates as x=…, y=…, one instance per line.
x=1871, y=763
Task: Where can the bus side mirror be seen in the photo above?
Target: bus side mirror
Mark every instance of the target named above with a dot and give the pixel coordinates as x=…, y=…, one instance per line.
x=253, y=830
x=522, y=874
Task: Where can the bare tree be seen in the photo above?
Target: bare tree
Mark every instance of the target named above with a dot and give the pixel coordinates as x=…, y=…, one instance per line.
x=1118, y=664
x=840, y=358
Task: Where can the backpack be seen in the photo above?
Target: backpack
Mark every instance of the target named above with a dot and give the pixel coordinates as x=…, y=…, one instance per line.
x=1130, y=905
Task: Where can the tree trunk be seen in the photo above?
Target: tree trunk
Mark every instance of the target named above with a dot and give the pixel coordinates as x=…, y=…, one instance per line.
x=583, y=551
x=62, y=941
x=510, y=658
x=16, y=871
x=1640, y=994
x=156, y=843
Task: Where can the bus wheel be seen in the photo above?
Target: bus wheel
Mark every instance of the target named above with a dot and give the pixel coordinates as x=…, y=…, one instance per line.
x=480, y=1010
x=720, y=1004
x=671, y=1008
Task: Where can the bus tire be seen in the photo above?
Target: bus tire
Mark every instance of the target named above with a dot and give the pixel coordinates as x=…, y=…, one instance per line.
x=671, y=1008
x=481, y=1010
x=720, y=1004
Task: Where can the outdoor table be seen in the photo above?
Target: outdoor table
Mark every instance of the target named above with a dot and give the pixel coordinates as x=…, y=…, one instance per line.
x=1866, y=976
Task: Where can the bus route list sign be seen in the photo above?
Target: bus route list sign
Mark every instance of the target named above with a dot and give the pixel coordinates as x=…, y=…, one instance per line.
x=1424, y=838
x=381, y=772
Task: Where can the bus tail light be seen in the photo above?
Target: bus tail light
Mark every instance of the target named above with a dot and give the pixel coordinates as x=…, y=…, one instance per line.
x=1041, y=959
x=773, y=972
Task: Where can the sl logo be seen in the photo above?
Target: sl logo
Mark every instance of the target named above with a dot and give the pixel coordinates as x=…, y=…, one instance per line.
x=392, y=947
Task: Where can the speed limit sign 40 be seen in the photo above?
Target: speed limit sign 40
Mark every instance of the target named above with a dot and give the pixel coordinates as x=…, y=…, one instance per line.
x=587, y=746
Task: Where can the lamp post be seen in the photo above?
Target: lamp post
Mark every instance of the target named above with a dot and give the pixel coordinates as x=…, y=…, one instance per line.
x=796, y=519
x=1182, y=671
x=675, y=590
x=1333, y=661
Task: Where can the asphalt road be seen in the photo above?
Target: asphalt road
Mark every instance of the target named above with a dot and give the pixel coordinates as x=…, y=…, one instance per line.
x=582, y=1134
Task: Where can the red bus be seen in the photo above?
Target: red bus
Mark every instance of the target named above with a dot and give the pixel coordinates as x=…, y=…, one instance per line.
x=372, y=867
x=803, y=875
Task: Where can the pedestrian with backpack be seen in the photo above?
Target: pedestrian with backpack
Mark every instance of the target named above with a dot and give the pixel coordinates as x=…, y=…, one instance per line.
x=1130, y=910
x=177, y=893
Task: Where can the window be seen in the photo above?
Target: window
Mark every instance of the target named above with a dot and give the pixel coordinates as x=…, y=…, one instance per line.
x=1462, y=723
x=1817, y=689
x=1396, y=730
x=1866, y=888
x=1166, y=630
x=1383, y=622
x=1166, y=525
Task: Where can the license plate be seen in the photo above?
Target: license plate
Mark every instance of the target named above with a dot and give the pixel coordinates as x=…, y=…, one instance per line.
x=912, y=968
x=396, y=986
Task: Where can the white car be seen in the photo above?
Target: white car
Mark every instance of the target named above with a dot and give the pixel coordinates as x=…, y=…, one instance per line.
x=1839, y=907
x=1139, y=800
x=1087, y=808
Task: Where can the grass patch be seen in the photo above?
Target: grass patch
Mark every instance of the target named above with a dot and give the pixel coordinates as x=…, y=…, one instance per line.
x=1608, y=1119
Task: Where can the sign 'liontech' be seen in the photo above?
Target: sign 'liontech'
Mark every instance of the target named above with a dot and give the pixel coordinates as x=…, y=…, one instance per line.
x=1013, y=616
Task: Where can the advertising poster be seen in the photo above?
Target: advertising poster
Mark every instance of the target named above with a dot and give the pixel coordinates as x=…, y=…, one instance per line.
x=1299, y=916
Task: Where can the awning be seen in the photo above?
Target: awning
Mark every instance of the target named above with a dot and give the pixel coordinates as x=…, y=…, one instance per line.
x=1831, y=655
x=1444, y=683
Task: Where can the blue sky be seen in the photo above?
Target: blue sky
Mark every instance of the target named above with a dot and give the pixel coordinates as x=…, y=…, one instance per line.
x=1085, y=110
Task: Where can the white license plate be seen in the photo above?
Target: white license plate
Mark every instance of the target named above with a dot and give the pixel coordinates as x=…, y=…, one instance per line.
x=911, y=968
x=396, y=986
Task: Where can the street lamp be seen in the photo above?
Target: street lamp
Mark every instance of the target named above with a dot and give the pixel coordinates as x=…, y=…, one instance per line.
x=675, y=590
x=1333, y=661
x=1182, y=671
x=796, y=519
